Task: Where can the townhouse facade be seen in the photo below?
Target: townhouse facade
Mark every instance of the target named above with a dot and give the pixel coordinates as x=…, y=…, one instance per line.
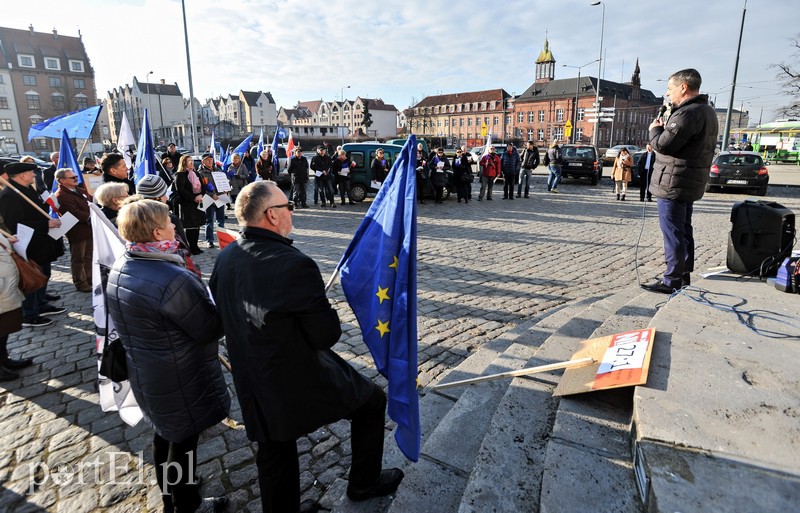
x=319, y=118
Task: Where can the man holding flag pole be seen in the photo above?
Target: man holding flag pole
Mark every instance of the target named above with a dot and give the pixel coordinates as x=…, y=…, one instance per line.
x=280, y=329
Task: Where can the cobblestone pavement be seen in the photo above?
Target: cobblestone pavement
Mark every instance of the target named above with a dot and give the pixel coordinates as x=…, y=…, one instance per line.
x=484, y=268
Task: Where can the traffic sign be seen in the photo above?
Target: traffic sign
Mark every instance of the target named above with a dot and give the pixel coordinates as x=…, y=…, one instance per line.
x=483, y=130
x=568, y=124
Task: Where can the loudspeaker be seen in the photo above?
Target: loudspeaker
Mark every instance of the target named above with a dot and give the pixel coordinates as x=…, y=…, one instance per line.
x=761, y=230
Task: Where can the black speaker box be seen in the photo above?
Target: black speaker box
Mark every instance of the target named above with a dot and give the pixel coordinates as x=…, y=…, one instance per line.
x=761, y=229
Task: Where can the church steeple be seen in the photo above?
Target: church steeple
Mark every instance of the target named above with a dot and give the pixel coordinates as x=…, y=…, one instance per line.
x=545, y=64
x=635, y=80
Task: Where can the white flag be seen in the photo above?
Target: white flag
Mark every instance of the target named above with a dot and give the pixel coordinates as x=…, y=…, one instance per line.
x=107, y=248
x=125, y=139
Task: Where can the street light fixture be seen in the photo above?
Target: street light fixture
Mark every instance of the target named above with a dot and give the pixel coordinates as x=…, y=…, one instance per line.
x=341, y=110
x=577, y=90
x=599, y=71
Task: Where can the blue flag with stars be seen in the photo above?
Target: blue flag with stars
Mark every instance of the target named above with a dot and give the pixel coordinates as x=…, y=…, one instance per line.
x=379, y=279
x=145, y=152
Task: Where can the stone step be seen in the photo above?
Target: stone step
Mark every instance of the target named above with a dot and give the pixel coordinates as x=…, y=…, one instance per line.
x=509, y=468
x=454, y=421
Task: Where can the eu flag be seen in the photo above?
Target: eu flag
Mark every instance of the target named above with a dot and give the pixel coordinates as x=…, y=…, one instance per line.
x=66, y=158
x=78, y=124
x=275, y=150
x=243, y=148
x=145, y=154
x=379, y=279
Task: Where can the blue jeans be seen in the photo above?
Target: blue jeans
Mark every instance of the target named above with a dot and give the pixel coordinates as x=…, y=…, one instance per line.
x=675, y=218
x=35, y=300
x=524, y=176
x=555, y=176
x=211, y=213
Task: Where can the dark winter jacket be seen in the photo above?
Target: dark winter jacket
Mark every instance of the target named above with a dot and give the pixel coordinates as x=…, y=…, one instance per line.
x=438, y=175
x=321, y=163
x=510, y=162
x=279, y=328
x=169, y=328
x=15, y=210
x=191, y=216
x=298, y=167
x=76, y=203
x=530, y=158
x=684, y=150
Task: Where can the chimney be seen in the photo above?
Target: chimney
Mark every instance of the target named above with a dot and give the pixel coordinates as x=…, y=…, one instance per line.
x=30, y=27
x=163, y=82
x=55, y=34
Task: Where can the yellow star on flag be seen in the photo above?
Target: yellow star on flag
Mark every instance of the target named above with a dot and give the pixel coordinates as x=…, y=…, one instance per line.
x=383, y=293
x=394, y=264
x=382, y=327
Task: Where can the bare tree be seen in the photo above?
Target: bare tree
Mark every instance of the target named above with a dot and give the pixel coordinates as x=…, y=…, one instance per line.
x=788, y=76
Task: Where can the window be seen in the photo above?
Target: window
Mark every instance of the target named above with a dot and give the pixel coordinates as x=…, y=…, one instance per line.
x=25, y=61
x=477, y=121
x=33, y=101
x=52, y=63
x=541, y=117
x=358, y=158
x=530, y=134
x=3, y=102
x=559, y=114
x=55, y=81
x=521, y=117
x=40, y=143
x=76, y=66
x=58, y=101
x=36, y=119
x=495, y=120
x=540, y=134
x=508, y=119
x=461, y=122
x=29, y=80
x=558, y=132
x=581, y=112
x=79, y=83
x=2, y=80
x=81, y=102
x=438, y=122
x=486, y=120
x=579, y=134
x=530, y=117
x=5, y=125
x=466, y=107
x=469, y=121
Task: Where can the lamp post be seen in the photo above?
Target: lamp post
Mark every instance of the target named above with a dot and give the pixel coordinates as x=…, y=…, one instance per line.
x=341, y=109
x=575, y=107
x=149, y=102
x=599, y=70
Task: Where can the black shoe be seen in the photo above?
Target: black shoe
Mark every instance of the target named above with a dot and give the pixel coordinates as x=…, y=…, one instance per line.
x=660, y=287
x=196, y=251
x=309, y=506
x=650, y=199
x=641, y=199
x=511, y=197
x=212, y=505
x=520, y=196
x=505, y=197
x=387, y=483
x=36, y=322
x=479, y=199
x=524, y=196
x=617, y=197
x=622, y=198
x=488, y=199
x=333, y=205
x=16, y=364
x=7, y=374
x=51, y=297
x=352, y=203
x=51, y=310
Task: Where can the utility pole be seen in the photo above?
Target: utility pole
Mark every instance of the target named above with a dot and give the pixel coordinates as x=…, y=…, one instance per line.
x=191, y=87
x=726, y=133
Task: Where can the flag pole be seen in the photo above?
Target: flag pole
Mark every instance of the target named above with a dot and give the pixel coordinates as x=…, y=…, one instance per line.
x=569, y=364
x=34, y=205
x=333, y=277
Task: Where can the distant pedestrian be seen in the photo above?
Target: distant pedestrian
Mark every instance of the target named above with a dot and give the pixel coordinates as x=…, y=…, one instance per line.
x=237, y=174
x=530, y=161
x=341, y=168
x=622, y=172
x=462, y=175
x=189, y=189
x=265, y=166
x=72, y=198
x=49, y=174
x=645, y=169
x=510, y=163
x=438, y=165
x=491, y=166
x=552, y=159
x=167, y=171
x=422, y=172
x=323, y=180
x=379, y=169
x=298, y=170
x=211, y=188
x=172, y=154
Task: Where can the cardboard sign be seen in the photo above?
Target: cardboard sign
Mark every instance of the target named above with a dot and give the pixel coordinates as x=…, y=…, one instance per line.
x=623, y=360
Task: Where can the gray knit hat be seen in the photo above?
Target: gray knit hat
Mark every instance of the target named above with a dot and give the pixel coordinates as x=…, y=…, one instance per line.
x=151, y=186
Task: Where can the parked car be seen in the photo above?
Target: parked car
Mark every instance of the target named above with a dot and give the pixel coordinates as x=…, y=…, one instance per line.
x=362, y=155
x=611, y=153
x=738, y=170
x=579, y=161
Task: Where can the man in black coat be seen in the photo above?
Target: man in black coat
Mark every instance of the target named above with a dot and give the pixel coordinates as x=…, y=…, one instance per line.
x=645, y=170
x=684, y=146
x=43, y=249
x=280, y=328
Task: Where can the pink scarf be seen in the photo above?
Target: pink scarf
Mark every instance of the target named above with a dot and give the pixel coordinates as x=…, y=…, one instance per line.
x=194, y=181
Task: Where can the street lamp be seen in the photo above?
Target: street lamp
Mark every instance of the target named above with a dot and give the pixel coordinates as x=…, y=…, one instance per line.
x=341, y=110
x=599, y=70
x=577, y=90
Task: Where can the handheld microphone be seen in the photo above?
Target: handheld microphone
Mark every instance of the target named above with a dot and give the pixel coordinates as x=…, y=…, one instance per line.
x=661, y=111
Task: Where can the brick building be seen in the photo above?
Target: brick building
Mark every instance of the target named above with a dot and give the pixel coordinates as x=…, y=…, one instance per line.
x=49, y=74
x=542, y=111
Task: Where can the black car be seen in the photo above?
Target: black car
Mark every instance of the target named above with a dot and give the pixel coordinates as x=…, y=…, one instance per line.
x=578, y=161
x=738, y=170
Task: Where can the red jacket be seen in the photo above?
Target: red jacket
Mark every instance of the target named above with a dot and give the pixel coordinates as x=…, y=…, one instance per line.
x=491, y=165
x=76, y=203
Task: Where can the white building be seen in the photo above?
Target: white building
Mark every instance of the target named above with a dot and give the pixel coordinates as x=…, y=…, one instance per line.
x=320, y=119
x=10, y=132
x=163, y=101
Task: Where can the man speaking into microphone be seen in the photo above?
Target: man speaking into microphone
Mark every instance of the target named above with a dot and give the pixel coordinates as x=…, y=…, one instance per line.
x=684, y=146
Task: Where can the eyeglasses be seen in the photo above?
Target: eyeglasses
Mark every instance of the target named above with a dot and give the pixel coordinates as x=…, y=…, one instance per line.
x=289, y=206
x=71, y=177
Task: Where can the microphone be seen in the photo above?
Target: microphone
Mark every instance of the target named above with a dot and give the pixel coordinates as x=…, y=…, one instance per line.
x=661, y=111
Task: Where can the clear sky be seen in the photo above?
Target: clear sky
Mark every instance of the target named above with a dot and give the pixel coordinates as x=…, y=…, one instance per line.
x=404, y=50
